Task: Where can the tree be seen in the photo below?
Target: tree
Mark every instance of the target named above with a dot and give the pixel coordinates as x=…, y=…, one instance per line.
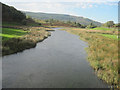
x=117, y=25
x=91, y=26
x=40, y=24
x=24, y=22
x=75, y=23
x=69, y=22
x=46, y=21
x=109, y=24
x=78, y=25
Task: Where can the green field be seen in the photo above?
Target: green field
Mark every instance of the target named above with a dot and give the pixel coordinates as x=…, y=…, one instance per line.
x=103, y=28
x=110, y=36
x=8, y=33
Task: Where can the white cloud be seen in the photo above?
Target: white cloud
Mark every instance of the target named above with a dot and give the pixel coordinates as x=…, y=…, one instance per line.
x=41, y=7
x=55, y=7
x=84, y=5
x=50, y=7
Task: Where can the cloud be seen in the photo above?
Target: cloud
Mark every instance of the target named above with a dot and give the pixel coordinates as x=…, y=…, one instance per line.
x=84, y=5
x=50, y=7
x=41, y=7
x=56, y=7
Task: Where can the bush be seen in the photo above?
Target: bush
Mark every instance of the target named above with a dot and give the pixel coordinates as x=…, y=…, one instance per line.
x=24, y=22
x=40, y=24
x=16, y=45
x=91, y=26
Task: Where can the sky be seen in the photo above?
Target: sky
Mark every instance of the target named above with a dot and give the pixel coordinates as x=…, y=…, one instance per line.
x=98, y=10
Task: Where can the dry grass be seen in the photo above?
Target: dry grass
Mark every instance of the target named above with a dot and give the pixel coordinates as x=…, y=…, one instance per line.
x=34, y=35
x=98, y=31
x=102, y=54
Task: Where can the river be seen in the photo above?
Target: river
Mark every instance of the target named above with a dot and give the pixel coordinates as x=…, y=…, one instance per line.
x=60, y=61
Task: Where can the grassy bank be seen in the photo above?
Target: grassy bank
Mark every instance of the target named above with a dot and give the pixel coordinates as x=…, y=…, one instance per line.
x=110, y=36
x=16, y=40
x=8, y=33
x=104, y=28
x=102, y=54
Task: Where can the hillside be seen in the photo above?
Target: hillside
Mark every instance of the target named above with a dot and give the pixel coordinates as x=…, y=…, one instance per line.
x=63, y=17
x=10, y=14
x=11, y=17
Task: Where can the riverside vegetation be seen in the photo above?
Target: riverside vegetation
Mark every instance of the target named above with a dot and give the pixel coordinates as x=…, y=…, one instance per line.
x=15, y=40
x=102, y=54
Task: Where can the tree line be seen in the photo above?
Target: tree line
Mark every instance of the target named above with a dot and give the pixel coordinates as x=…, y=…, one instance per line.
x=108, y=24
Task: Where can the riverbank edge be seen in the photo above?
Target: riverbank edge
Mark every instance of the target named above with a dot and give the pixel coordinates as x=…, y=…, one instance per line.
x=100, y=75
x=15, y=45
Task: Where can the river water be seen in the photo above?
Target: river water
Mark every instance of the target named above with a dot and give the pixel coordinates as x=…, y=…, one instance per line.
x=60, y=61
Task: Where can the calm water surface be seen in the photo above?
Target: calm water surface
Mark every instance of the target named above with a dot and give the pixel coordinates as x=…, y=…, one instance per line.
x=60, y=61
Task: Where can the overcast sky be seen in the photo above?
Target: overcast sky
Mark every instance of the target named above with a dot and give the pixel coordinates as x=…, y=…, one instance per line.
x=98, y=10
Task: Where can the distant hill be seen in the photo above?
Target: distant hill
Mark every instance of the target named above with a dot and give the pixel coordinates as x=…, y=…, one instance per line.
x=63, y=17
x=10, y=14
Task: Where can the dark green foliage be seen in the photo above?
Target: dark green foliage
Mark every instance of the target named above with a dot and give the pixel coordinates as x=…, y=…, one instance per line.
x=46, y=21
x=40, y=24
x=11, y=14
x=116, y=25
x=109, y=24
x=91, y=26
x=24, y=22
x=75, y=23
x=69, y=22
x=30, y=21
x=79, y=25
x=83, y=26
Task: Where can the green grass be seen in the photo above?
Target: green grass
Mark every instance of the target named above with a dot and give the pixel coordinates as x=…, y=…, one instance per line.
x=103, y=28
x=8, y=33
x=110, y=36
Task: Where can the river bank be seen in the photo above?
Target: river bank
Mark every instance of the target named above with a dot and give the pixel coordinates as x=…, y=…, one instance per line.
x=102, y=54
x=27, y=41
